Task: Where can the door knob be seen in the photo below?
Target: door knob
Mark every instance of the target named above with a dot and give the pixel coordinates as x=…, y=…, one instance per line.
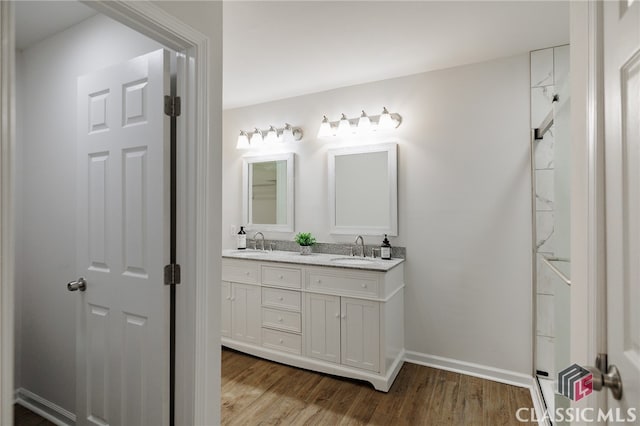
x=611, y=379
x=606, y=376
x=79, y=284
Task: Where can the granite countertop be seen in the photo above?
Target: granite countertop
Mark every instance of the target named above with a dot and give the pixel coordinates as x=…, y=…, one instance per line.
x=314, y=259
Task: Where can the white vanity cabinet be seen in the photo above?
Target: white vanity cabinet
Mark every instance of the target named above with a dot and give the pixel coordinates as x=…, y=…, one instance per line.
x=337, y=320
x=343, y=330
x=322, y=332
x=282, y=308
x=240, y=307
x=360, y=333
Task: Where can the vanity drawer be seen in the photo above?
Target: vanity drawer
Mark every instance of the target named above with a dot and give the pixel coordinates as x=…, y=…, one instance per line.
x=240, y=271
x=284, y=277
x=281, y=340
x=278, y=298
x=282, y=320
x=355, y=284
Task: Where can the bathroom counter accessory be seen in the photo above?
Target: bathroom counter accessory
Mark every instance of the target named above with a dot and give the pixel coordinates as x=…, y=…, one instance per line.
x=315, y=259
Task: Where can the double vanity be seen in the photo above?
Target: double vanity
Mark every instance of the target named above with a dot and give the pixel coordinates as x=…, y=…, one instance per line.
x=340, y=315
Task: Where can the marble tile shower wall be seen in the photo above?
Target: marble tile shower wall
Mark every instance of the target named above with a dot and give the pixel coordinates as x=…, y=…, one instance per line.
x=548, y=67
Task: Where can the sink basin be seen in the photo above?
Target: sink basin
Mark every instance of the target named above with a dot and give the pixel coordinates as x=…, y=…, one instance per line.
x=351, y=261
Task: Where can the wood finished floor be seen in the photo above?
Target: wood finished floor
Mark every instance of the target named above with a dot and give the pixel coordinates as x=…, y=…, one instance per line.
x=25, y=417
x=260, y=392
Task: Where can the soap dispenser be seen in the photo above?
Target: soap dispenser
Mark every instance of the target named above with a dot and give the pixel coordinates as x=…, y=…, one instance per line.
x=242, y=239
x=385, y=249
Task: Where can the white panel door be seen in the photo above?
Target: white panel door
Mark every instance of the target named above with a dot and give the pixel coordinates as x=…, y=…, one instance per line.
x=360, y=333
x=246, y=322
x=622, y=175
x=122, y=244
x=323, y=327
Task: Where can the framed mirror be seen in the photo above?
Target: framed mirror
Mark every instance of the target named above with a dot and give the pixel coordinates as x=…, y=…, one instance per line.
x=267, y=183
x=363, y=190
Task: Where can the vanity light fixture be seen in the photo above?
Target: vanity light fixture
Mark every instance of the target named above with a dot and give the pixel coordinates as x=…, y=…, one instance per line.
x=258, y=138
x=385, y=121
x=345, y=126
x=364, y=123
x=325, y=128
x=243, y=140
x=272, y=135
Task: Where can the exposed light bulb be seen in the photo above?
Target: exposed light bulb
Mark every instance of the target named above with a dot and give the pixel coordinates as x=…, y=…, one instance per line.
x=272, y=135
x=256, y=138
x=364, y=123
x=386, y=122
x=243, y=141
x=344, y=127
x=325, y=128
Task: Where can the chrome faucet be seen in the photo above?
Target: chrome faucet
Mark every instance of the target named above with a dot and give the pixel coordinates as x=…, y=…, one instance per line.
x=359, y=237
x=255, y=237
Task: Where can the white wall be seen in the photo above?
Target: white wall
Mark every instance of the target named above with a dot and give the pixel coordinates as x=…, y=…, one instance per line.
x=464, y=200
x=45, y=334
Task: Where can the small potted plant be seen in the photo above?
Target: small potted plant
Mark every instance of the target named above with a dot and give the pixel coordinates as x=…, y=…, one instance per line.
x=306, y=240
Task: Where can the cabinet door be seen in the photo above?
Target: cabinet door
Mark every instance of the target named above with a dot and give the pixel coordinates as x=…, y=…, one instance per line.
x=323, y=327
x=360, y=333
x=245, y=313
x=225, y=309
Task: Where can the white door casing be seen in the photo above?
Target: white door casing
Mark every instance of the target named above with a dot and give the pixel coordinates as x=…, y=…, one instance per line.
x=7, y=144
x=123, y=243
x=622, y=180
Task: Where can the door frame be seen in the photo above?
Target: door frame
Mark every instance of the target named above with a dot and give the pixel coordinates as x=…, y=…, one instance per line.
x=588, y=267
x=197, y=367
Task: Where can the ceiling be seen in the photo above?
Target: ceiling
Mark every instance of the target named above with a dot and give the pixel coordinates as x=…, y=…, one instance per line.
x=275, y=50
x=37, y=20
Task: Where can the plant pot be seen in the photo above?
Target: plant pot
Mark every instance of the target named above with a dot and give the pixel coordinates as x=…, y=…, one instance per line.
x=305, y=249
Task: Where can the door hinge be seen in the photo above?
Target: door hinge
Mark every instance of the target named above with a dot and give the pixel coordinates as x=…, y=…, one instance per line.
x=172, y=274
x=172, y=106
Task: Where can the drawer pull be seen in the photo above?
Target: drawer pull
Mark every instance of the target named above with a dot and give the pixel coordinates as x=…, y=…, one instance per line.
x=248, y=273
x=281, y=277
x=281, y=341
x=337, y=315
x=319, y=281
x=280, y=319
x=281, y=298
x=363, y=285
x=344, y=316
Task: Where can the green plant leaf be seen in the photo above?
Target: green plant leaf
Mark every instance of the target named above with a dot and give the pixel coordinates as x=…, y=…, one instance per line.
x=305, y=239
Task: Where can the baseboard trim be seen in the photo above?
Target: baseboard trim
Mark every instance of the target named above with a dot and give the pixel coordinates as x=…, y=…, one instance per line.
x=471, y=369
x=45, y=408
